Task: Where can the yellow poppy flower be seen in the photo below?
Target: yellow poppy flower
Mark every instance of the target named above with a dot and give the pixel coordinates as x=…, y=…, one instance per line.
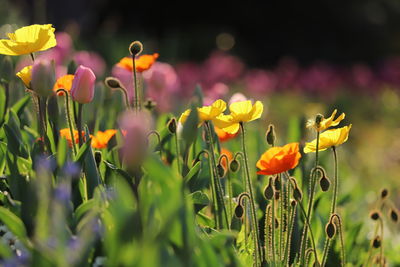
x=326, y=123
x=26, y=75
x=242, y=111
x=206, y=113
x=28, y=40
x=328, y=139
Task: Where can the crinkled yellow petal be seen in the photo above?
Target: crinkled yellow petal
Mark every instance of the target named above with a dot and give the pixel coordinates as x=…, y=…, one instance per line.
x=29, y=39
x=232, y=129
x=26, y=75
x=256, y=111
x=222, y=121
x=331, y=122
x=328, y=139
x=240, y=108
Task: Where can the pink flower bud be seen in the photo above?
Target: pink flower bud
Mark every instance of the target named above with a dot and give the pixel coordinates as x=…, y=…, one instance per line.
x=82, y=90
x=43, y=78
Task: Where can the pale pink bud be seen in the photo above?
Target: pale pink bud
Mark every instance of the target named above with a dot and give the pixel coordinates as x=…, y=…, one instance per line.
x=82, y=89
x=43, y=78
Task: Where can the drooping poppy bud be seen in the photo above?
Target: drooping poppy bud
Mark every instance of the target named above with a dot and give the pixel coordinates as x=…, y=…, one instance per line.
x=239, y=211
x=375, y=215
x=330, y=229
x=234, y=165
x=269, y=190
x=43, y=77
x=324, y=183
x=82, y=90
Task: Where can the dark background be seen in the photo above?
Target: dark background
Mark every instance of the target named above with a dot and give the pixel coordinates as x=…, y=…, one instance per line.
x=339, y=32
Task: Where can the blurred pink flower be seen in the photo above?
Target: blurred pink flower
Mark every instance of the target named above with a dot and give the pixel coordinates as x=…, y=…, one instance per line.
x=92, y=60
x=135, y=127
x=126, y=78
x=260, y=82
x=361, y=77
x=189, y=75
x=287, y=73
x=162, y=85
x=319, y=78
x=217, y=91
x=221, y=67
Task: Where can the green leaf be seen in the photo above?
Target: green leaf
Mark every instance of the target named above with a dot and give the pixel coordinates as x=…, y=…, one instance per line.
x=18, y=107
x=92, y=175
x=82, y=209
x=83, y=150
x=189, y=132
x=62, y=150
x=193, y=171
x=3, y=101
x=200, y=200
x=15, y=144
x=13, y=223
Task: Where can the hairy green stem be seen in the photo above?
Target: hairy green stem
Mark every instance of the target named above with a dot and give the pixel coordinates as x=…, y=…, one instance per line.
x=250, y=187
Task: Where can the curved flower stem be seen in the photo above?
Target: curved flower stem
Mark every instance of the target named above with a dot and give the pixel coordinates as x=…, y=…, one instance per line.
x=218, y=186
x=255, y=239
x=250, y=187
x=333, y=205
x=69, y=120
x=158, y=139
x=313, y=182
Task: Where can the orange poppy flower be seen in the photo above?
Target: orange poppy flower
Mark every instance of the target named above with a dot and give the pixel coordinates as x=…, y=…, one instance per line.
x=229, y=154
x=101, y=139
x=65, y=133
x=142, y=63
x=64, y=82
x=279, y=159
x=224, y=136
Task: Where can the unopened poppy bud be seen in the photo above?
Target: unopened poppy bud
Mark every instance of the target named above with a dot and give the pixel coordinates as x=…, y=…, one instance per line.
x=220, y=170
x=234, y=165
x=297, y=194
x=293, y=203
x=269, y=190
x=394, y=216
x=384, y=193
x=270, y=135
x=376, y=243
x=318, y=120
x=239, y=211
x=43, y=78
x=171, y=125
x=330, y=229
x=324, y=183
x=277, y=183
x=97, y=158
x=135, y=48
x=277, y=195
x=375, y=215
x=112, y=83
x=82, y=89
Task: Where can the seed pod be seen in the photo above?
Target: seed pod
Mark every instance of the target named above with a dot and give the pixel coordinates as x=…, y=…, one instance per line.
x=239, y=211
x=318, y=120
x=171, y=125
x=269, y=190
x=276, y=223
x=234, y=165
x=324, y=183
x=297, y=194
x=394, y=216
x=384, y=193
x=330, y=229
x=270, y=135
x=220, y=170
x=135, y=48
x=376, y=243
x=277, y=183
x=374, y=215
